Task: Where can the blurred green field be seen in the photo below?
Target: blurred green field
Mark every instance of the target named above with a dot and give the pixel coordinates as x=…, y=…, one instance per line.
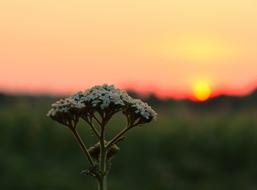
x=184, y=149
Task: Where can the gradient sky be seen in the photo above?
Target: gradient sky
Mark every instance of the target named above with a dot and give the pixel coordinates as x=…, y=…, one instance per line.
x=60, y=46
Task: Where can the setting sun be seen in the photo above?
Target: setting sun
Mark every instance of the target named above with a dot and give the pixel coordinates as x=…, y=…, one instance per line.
x=202, y=90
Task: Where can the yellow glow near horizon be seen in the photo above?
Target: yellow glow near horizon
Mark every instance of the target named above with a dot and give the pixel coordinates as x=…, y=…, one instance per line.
x=202, y=90
x=200, y=49
x=61, y=46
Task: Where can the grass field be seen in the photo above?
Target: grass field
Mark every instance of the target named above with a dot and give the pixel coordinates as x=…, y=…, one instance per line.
x=185, y=149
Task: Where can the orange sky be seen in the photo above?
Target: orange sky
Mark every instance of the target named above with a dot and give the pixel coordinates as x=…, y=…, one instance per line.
x=60, y=46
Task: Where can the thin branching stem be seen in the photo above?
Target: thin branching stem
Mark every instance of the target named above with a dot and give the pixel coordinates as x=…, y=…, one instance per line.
x=103, y=160
x=94, y=129
x=117, y=137
x=97, y=120
x=83, y=147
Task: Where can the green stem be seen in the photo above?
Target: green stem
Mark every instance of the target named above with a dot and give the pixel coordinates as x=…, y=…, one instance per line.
x=102, y=162
x=102, y=185
x=117, y=137
x=83, y=147
x=94, y=129
x=97, y=120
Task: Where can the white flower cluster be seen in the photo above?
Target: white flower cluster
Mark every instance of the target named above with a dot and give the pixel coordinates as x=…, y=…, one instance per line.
x=102, y=99
x=61, y=106
x=64, y=110
x=143, y=109
x=137, y=109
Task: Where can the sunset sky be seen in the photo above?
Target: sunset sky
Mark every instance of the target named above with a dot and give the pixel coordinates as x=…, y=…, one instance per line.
x=163, y=46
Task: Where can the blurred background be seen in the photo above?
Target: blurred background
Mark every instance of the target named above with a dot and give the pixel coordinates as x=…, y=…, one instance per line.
x=210, y=146
x=194, y=62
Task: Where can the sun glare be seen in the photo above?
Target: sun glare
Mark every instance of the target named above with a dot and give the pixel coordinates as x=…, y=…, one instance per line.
x=202, y=90
x=199, y=49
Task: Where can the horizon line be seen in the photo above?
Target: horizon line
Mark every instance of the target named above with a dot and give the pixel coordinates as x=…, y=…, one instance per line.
x=162, y=94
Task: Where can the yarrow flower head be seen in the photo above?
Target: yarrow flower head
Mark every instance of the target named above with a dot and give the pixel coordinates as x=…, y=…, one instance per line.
x=65, y=111
x=139, y=112
x=101, y=98
x=105, y=100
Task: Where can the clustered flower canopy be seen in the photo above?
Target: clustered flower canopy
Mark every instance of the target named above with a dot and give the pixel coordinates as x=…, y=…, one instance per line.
x=105, y=100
